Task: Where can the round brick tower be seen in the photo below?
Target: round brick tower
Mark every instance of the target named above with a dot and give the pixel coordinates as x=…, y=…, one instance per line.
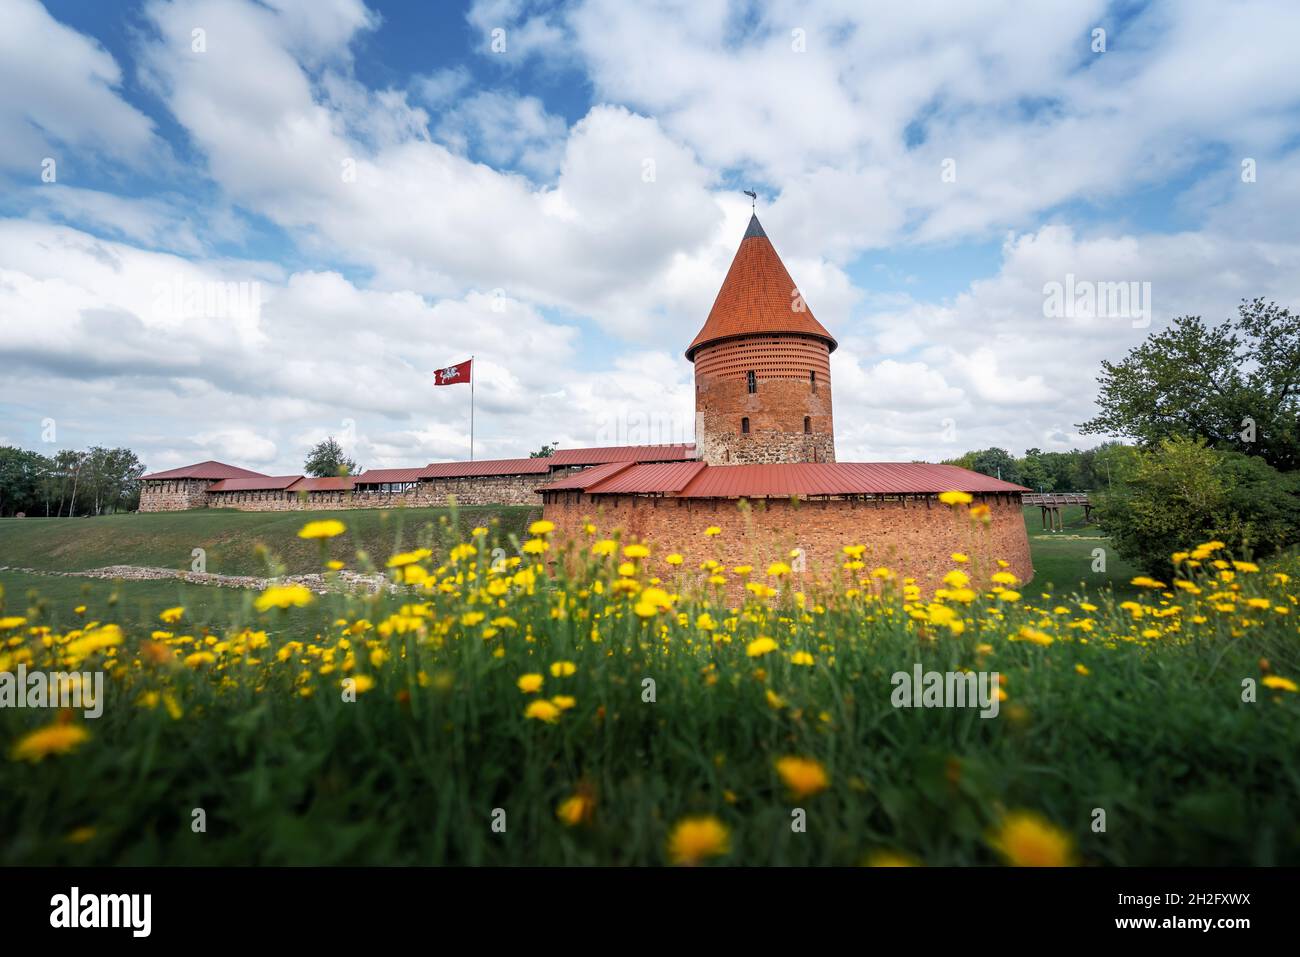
x=762, y=367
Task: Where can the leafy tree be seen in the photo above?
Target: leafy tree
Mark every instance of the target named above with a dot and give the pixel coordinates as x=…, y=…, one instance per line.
x=1112, y=462
x=1035, y=473
x=996, y=462
x=1184, y=492
x=327, y=459
x=21, y=473
x=1236, y=384
x=545, y=452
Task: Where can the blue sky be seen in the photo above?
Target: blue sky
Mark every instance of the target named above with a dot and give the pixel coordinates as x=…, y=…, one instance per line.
x=564, y=205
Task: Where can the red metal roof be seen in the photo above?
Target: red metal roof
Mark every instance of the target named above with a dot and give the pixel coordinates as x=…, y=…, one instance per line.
x=328, y=484
x=487, y=467
x=622, y=453
x=697, y=480
x=202, y=470
x=578, y=481
x=387, y=476
x=757, y=297
x=664, y=478
x=265, y=483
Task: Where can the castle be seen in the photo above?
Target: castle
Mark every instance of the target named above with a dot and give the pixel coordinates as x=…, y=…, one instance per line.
x=764, y=435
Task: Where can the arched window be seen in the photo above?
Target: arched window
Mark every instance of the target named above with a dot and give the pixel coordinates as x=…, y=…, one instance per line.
x=744, y=426
x=807, y=425
x=812, y=377
x=752, y=381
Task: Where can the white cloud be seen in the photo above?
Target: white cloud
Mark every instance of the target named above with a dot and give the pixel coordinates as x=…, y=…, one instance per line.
x=58, y=99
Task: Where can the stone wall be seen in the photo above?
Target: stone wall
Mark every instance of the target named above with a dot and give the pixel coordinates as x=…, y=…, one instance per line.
x=913, y=536
x=479, y=490
x=789, y=413
x=174, y=496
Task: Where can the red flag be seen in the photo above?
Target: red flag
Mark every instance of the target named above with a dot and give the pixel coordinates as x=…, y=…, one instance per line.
x=453, y=375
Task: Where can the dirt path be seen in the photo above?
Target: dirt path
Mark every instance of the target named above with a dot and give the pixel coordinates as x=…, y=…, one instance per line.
x=341, y=581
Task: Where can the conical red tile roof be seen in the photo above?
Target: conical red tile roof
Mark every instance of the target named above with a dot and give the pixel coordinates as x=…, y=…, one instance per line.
x=757, y=297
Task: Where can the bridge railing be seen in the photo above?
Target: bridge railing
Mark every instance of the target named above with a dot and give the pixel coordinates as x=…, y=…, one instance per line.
x=1055, y=498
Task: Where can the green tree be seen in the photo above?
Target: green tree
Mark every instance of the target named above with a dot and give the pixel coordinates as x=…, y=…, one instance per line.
x=1184, y=492
x=545, y=452
x=21, y=476
x=327, y=459
x=1035, y=473
x=996, y=462
x=1236, y=384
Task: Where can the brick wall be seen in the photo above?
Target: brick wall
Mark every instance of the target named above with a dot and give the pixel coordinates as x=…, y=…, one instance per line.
x=915, y=536
x=789, y=413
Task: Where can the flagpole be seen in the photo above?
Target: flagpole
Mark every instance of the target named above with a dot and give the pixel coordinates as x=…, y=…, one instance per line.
x=471, y=408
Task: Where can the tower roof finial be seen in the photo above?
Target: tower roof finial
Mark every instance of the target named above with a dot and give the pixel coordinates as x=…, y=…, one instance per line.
x=753, y=199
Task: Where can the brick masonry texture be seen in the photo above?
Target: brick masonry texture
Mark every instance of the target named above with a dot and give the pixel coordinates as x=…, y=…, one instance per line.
x=915, y=537
x=789, y=412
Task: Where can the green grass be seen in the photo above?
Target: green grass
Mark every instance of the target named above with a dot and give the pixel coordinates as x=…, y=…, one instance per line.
x=1063, y=561
x=137, y=604
x=229, y=538
x=1156, y=735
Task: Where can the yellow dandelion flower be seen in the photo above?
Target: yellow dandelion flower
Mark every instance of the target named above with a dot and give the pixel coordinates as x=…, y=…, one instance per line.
x=802, y=658
x=1026, y=839
x=575, y=810
x=712, y=531
x=803, y=777
x=955, y=498
x=57, y=738
x=409, y=558
x=562, y=669
x=636, y=551
x=1145, y=581
x=542, y=710
x=329, y=528
x=530, y=683
x=171, y=615
x=1278, y=683
x=284, y=596
x=541, y=527
x=760, y=646
x=695, y=838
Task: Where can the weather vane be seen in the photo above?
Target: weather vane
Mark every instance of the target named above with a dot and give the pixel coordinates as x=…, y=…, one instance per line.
x=753, y=198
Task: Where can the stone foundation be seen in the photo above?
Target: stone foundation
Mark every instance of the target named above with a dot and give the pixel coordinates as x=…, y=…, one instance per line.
x=913, y=536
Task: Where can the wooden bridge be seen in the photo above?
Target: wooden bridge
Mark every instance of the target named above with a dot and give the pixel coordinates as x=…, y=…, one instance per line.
x=1052, y=502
